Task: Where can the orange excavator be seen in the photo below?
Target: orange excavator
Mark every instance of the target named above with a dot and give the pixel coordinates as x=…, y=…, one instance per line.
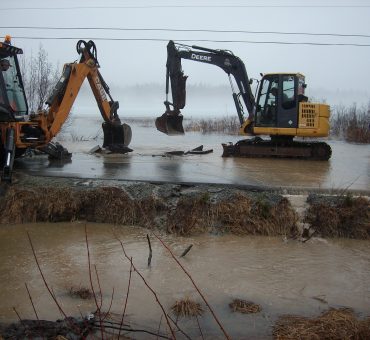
x=21, y=131
x=280, y=111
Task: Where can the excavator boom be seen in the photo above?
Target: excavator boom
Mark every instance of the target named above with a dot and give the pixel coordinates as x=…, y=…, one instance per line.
x=171, y=121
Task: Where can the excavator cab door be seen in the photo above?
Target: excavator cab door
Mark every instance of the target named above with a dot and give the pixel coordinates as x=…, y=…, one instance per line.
x=277, y=104
x=13, y=104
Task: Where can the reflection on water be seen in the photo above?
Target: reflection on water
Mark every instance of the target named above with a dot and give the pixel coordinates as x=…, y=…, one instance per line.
x=283, y=277
x=349, y=167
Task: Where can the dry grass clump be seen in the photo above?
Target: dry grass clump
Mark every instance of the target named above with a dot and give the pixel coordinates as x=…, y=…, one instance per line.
x=245, y=307
x=190, y=216
x=225, y=125
x=194, y=212
x=351, y=123
x=48, y=204
x=244, y=215
x=332, y=324
x=81, y=292
x=343, y=216
x=187, y=307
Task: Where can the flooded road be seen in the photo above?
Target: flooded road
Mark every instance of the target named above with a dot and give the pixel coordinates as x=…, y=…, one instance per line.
x=349, y=167
x=281, y=276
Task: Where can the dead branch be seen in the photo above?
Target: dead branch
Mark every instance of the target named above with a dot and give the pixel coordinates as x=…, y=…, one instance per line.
x=91, y=284
x=150, y=288
x=178, y=327
x=33, y=306
x=128, y=290
x=111, y=326
x=186, y=251
x=100, y=291
x=159, y=326
x=72, y=325
x=150, y=251
x=195, y=286
x=200, y=329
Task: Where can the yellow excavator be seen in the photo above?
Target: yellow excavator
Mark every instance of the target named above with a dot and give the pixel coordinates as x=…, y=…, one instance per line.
x=21, y=131
x=281, y=110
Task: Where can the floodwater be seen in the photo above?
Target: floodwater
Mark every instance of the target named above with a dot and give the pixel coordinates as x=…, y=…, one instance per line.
x=349, y=167
x=281, y=276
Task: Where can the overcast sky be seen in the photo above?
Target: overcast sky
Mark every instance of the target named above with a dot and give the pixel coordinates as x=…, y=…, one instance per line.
x=328, y=69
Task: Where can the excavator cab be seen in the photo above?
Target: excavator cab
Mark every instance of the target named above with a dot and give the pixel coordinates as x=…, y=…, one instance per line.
x=13, y=103
x=278, y=100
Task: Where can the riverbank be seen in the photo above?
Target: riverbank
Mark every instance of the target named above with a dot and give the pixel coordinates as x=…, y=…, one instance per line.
x=186, y=209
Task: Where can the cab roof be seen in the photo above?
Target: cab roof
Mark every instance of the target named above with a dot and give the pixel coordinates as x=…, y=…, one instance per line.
x=284, y=73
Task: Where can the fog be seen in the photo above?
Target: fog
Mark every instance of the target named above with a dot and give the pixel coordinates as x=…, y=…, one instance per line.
x=335, y=74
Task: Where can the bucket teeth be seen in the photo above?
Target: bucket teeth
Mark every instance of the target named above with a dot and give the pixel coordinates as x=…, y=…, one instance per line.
x=170, y=124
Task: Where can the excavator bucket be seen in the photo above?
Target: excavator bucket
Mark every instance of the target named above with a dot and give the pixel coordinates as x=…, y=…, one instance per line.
x=117, y=137
x=170, y=124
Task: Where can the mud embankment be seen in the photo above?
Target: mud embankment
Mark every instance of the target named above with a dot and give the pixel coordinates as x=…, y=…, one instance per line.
x=184, y=209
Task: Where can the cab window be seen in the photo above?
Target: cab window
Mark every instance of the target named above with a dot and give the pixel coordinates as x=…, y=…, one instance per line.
x=267, y=102
x=288, y=100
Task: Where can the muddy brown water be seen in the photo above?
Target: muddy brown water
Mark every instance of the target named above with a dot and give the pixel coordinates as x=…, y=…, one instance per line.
x=349, y=167
x=282, y=276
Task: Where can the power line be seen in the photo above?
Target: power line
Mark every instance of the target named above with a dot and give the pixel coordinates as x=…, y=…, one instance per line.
x=185, y=30
x=182, y=6
x=198, y=40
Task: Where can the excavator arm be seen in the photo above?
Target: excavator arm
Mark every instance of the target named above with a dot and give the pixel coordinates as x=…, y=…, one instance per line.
x=65, y=93
x=171, y=121
x=20, y=131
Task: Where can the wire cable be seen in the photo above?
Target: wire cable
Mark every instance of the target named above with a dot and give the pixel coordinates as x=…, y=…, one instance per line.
x=197, y=40
x=183, y=6
x=182, y=30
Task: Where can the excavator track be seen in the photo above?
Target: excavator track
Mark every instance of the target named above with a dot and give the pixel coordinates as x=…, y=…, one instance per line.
x=257, y=147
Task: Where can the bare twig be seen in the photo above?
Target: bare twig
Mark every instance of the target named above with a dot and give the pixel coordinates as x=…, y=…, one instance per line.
x=100, y=291
x=150, y=288
x=200, y=329
x=110, y=305
x=150, y=251
x=186, y=251
x=195, y=286
x=127, y=293
x=111, y=326
x=33, y=306
x=50, y=291
x=159, y=326
x=91, y=284
x=20, y=320
x=178, y=327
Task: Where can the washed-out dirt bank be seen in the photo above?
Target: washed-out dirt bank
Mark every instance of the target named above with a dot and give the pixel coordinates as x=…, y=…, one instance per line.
x=186, y=209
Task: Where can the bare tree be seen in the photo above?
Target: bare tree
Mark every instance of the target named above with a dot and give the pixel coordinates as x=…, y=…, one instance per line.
x=39, y=78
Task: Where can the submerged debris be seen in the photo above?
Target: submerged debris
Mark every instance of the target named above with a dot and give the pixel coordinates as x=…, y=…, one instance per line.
x=332, y=324
x=245, y=307
x=81, y=292
x=187, y=307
